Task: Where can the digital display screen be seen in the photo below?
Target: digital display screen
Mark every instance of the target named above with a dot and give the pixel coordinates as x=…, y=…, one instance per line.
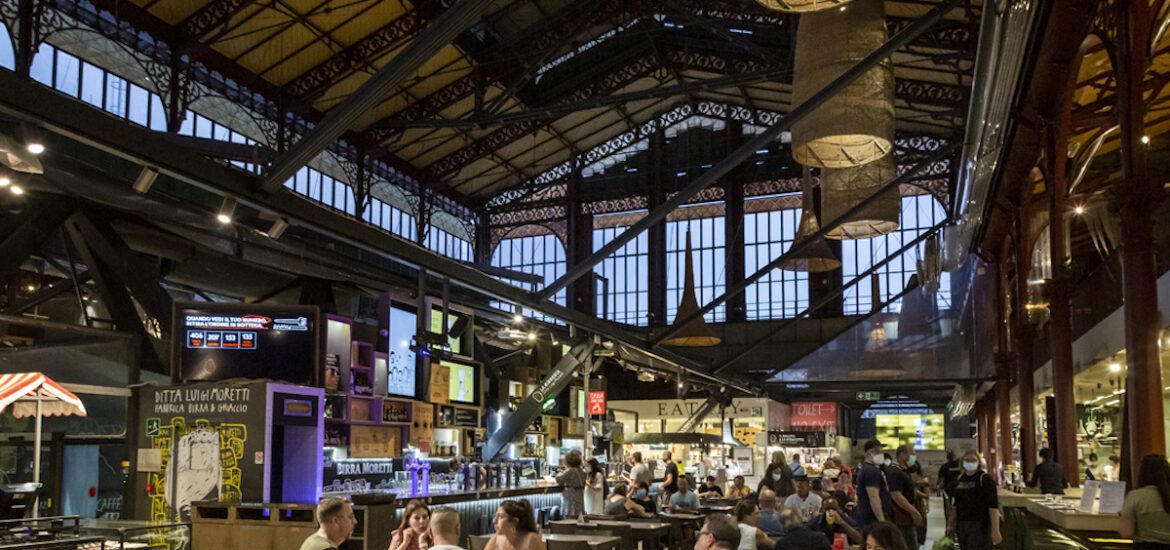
x=926, y=432
x=401, y=362
x=462, y=382
x=215, y=344
x=437, y=328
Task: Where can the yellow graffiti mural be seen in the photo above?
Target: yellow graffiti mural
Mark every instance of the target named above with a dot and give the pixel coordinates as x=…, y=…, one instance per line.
x=232, y=438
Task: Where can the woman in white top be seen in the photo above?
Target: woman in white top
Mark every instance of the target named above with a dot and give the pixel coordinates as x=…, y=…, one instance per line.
x=594, y=487
x=515, y=528
x=747, y=515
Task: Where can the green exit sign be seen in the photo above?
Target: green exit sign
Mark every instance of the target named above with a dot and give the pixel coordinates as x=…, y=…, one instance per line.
x=868, y=396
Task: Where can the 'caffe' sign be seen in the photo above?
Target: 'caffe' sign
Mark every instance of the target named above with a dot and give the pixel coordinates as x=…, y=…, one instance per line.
x=814, y=416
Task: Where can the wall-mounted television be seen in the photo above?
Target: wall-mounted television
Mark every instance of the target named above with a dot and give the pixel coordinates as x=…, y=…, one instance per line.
x=459, y=344
x=464, y=383
x=401, y=362
x=221, y=341
x=925, y=432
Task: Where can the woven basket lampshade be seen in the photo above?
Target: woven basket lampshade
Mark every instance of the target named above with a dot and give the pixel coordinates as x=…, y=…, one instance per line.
x=801, y=6
x=844, y=188
x=816, y=257
x=856, y=125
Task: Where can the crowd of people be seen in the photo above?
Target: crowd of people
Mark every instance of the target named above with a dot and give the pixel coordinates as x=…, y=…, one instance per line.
x=885, y=510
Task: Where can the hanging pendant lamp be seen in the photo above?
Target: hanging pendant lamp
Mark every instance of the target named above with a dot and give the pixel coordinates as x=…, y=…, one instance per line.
x=694, y=334
x=844, y=188
x=816, y=257
x=856, y=125
x=801, y=6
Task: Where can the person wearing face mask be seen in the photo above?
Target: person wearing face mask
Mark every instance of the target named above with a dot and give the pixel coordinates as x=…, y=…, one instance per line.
x=905, y=512
x=974, y=521
x=873, y=494
x=595, y=488
x=641, y=497
x=778, y=479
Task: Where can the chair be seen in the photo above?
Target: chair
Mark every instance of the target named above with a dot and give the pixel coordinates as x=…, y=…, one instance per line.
x=479, y=542
x=567, y=545
x=623, y=532
x=563, y=529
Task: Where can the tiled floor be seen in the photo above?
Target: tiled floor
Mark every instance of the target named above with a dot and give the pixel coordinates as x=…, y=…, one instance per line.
x=936, y=523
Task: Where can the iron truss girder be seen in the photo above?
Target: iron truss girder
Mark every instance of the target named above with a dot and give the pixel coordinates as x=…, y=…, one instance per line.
x=211, y=16
x=163, y=49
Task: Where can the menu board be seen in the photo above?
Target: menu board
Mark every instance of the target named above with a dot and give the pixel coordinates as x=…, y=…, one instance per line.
x=217, y=342
x=463, y=383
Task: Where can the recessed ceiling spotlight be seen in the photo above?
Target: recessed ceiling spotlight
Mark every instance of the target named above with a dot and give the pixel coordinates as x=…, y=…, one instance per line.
x=1114, y=367
x=226, y=210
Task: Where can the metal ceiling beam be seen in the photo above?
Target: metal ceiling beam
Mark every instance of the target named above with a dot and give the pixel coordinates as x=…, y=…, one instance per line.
x=92, y=127
x=31, y=231
x=746, y=150
x=211, y=16
x=45, y=294
x=798, y=247
x=372, y=92
x=563, y=109
x=823, y=301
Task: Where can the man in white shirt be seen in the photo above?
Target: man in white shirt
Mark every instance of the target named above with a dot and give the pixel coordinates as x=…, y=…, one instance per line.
x=445, y=529
x=640, y=472
x=804, y=502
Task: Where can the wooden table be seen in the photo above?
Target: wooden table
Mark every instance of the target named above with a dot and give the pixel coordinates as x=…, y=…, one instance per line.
x=715, y=509
x=1074, y=519
x=646, y=532
x=596, y=542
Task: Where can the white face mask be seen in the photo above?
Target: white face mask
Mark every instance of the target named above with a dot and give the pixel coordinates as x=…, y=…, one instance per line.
x=970, y=466
x=887, y=461
x=776, y=476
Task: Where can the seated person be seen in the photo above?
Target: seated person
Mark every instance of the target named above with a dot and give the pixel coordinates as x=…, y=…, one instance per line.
x=641, y=497
x=684, y=501
x=769, y=514
x=620, y=506
x=831, y=521
x=710, y=489
x=738, y=489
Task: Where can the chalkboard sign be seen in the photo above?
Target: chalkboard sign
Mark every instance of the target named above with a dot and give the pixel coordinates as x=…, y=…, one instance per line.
x=466, y=418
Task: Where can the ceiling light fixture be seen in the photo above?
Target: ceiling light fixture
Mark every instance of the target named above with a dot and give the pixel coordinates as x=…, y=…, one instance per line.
x=145, y=180
x=16, y=190
x=32, y=139
x=1114, y=367
x=517, y=318
x=1079, y=210
x=277, y=228
x=1146, y=140
x=227, y=209
x=5, y=181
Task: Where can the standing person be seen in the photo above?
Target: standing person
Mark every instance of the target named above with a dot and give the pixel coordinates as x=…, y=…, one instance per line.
x=873, y=495
x=640, y=473
x=573, y=479
x=905, y=513
x=445, y=529
x=769, y=515
x=627, y=467
x=805, y=502
x=795, y=465
x=719, y=532
x=515, y=526
x=336, y=519
x=884, y=536
x=684, y=500
x=974, y=522
x=1113, y=469
x=1092, y=471
x=641, y=497
x=738, y=489
x=1145, y=516
x=595, y=489
x=414, y=531
x=751, y=537
x=1048, y=475
x=948, y=475
x=669, y=483
x=778, y=478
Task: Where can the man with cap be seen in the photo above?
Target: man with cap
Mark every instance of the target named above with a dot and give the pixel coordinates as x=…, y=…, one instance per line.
x=873, y=494
x=805, y=502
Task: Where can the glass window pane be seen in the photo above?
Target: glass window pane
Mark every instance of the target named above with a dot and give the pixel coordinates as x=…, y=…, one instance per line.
x=68, y=72
x=92, y=84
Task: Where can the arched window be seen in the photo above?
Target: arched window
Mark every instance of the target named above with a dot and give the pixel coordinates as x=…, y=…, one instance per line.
x=534, y=250
x=7, y=54
x=627, y=297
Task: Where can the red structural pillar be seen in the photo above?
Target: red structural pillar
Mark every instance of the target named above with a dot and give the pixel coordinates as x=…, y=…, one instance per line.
x=992, y=446
x=983, y=430
x=1137, y=195
x=1059, y=308
x=1022, y=340
x=1003, y=371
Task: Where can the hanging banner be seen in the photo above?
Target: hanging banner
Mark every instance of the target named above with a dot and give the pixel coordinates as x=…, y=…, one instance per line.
x=814, y=416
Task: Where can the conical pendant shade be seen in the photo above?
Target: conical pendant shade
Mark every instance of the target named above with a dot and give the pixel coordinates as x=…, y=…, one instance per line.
x=844, y=188
x=801, y=6
x=696, y=333
x=816, y=257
